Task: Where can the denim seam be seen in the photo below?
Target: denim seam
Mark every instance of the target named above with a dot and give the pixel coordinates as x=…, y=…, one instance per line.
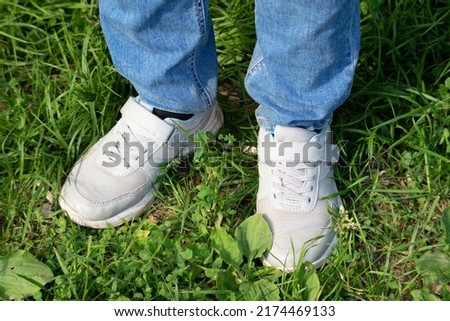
x=199, y=10
x=255, y=67
x=353, y=51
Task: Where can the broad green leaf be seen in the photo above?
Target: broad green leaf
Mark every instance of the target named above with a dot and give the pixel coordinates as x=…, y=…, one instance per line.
x=261, y=290
x=446, y=221
x=22, y=275
x=186, y=254
x=423, y=295
x=313, y=286
x=226, y=281
x=254, y=236
x=445, y=293
x=226, y=246
x=307, y=282
x=435, y=266
x=447, y=83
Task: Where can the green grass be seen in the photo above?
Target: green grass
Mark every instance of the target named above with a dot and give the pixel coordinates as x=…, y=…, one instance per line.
x=59, y=93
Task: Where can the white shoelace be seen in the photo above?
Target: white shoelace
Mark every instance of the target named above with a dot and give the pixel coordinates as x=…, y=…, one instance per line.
x=292, y=182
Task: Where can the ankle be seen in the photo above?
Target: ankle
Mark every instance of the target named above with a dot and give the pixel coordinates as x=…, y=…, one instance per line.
x=163, y=114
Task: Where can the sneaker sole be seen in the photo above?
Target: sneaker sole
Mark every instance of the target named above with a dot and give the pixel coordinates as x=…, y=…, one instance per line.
x=317, y=264
x=117, y=220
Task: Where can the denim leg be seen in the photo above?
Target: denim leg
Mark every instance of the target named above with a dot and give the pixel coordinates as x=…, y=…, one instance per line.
x=165, y=49
x=304, y=60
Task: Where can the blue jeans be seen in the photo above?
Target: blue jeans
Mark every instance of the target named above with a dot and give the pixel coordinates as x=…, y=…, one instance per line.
x=301, y=70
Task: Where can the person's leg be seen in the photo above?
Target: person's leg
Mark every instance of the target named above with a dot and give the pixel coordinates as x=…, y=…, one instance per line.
x=301, y=71
x=166, y=49
x=304, y=61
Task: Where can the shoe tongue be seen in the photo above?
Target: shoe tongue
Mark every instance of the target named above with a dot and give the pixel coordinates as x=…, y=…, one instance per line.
x=145, y=124
x=293, y=134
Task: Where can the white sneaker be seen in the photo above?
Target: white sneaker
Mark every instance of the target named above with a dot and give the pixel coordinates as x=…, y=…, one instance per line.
x=295, y=174
x=115, y=180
